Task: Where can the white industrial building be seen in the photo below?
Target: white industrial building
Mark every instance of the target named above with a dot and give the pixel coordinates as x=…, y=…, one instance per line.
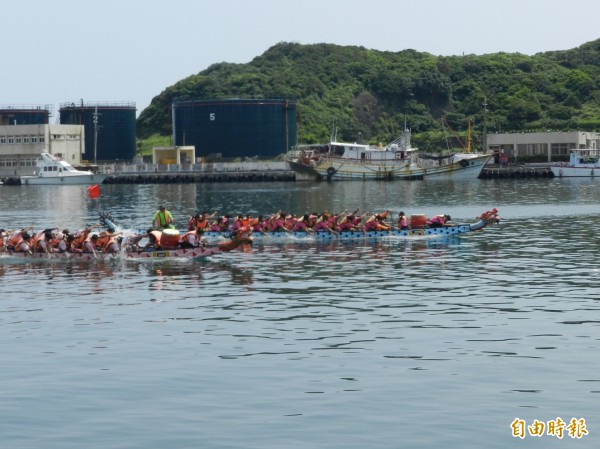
x=548, y=144
x=20, y=145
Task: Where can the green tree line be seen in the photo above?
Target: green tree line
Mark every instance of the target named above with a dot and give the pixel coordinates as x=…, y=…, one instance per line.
x=370, y=95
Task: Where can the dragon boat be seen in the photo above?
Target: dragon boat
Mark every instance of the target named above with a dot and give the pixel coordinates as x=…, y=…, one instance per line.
x=415, y=231
x=128, y=251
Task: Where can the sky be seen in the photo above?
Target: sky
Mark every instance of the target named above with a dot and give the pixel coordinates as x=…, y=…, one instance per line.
x=129, y=51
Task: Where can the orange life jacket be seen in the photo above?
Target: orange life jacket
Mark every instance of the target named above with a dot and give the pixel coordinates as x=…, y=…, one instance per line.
x=15, y=239
x=23, y=246
x=109, y=243
x=202, y=224
x=157, y=235
x=102, y=241
x=37, y=244
x=82, y=237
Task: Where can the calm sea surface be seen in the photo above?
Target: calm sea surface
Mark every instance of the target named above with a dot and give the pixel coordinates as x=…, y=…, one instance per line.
x=395, y=344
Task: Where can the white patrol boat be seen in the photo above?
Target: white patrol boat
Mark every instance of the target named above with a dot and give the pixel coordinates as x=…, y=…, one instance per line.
x=50, y=170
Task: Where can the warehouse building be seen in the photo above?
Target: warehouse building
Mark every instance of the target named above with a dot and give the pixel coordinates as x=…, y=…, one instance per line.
x=549, y=146
x=20, y=146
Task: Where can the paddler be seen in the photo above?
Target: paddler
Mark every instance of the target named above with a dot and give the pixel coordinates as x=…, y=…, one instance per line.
x=78, y=239
x=438, y=221
x=107, y=241
x=377, y=222
x=192, y=239
x=16, y=238
x=301, y=225
x=41, y=243
x=352, y=222
x=194, y=221
x=402, y=221
x=24, y=245
x=154, y=237
x=59, y=241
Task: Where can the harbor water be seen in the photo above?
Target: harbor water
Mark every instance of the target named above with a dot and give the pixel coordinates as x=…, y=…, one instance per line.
x=464, y=342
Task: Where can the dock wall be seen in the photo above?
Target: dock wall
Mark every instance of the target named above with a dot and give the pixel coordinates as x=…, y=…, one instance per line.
x=255, y=171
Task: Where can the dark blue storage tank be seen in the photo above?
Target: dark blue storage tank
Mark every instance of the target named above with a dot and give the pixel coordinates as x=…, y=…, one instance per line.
x=235, y=127
x=109, y=128
x=25, y=115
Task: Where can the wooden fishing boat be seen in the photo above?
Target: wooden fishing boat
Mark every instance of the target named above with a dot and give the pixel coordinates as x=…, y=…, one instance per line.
x=398, y=160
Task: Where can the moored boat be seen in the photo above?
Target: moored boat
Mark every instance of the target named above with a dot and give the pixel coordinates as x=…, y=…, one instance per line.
x=398, y=160
x=53, y=171
x=582, y=163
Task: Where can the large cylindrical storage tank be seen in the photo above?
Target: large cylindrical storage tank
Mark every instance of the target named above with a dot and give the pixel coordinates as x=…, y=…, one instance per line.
x=235, y=127
x=25, y=115
x=110, y=132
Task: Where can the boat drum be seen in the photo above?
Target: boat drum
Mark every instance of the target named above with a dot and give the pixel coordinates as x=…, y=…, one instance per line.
x=169, y=239
x=418, y=221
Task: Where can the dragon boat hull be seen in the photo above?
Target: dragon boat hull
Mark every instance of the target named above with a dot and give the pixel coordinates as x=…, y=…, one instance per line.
x=189, y=253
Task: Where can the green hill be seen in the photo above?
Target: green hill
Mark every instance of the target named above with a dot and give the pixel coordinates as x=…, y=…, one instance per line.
x=368, y=95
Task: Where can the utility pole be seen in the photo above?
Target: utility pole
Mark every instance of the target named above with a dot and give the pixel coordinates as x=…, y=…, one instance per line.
x=484, y=124
x=95, y=122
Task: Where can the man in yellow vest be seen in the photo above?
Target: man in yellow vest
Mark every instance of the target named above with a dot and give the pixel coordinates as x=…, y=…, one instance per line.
x=162, y=219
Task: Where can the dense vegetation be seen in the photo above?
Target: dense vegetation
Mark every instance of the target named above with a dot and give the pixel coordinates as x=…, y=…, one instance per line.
x=369, y=95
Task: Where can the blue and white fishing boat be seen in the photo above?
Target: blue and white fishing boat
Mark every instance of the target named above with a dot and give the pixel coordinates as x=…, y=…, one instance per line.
x=582, y=163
